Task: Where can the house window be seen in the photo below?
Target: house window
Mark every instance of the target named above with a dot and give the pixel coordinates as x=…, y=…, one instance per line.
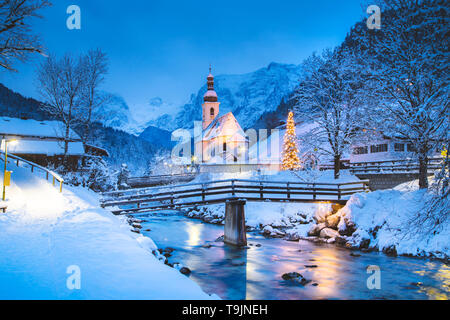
x=224, y=147
x=211, y=112
x=361, y=150
x=399, y=147
x=379, y=148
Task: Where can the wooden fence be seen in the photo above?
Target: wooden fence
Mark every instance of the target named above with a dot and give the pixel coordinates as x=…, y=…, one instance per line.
x=148, y=181
x=392, y=166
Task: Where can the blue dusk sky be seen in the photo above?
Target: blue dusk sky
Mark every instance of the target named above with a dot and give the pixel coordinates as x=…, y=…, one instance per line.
x=164, y=48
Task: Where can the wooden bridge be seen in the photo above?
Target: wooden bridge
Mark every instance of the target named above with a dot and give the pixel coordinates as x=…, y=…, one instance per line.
x=234, y=193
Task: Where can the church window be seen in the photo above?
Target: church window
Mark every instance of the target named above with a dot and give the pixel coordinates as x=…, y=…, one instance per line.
x=211, y=112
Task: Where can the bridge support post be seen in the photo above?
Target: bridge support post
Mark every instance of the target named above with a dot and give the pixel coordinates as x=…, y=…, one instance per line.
x=235, y=233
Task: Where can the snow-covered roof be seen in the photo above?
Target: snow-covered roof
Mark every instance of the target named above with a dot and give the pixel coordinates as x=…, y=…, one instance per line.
x=33, y=128
x=225, y=125
x=48, y=148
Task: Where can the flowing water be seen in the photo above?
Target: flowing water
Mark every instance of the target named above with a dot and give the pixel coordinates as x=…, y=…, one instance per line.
x=255, y=272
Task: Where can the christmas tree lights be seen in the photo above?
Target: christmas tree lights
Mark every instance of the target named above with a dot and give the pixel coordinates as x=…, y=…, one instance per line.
x=290, y=159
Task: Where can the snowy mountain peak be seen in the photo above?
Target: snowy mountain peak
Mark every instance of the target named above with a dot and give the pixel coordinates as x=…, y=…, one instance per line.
x=248, y=96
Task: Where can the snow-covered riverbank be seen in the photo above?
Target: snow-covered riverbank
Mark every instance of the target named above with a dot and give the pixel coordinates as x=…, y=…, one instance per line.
x=49, y=241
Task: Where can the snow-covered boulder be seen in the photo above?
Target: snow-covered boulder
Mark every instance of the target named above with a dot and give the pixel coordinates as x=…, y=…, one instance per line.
x=328, y=233
x=315, y=229
x=332, y=221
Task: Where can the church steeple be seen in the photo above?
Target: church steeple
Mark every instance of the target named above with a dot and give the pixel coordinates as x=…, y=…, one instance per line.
x=210, y=106
x=210, y=95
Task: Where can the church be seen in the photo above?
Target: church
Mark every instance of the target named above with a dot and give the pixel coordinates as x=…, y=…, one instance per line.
x=222, y=140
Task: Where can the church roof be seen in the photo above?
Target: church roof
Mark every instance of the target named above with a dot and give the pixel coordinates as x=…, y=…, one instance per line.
x=225, y=125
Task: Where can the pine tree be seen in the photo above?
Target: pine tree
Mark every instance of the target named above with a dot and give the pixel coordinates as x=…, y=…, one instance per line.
x=290, y=151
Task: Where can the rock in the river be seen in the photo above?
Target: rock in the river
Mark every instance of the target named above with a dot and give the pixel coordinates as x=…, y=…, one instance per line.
x=291, y=275
x=186, y=271
x=328, y=233
x=390, y=251
x=355, y=255
x=220, y=239
x=208, y=219
x=333, y=221
x=340, y=241
x=292, y=237
x=206, y=246
x=272, y=232
x=315, y=229
x=296, y=278
x=364, y=244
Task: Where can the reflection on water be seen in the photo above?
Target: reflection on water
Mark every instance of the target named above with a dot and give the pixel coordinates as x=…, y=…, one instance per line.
x=255, y=273
x=194, y=231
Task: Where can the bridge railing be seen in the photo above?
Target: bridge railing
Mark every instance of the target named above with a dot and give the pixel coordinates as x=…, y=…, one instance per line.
x=160, y=179
x=219, y=191
x=392, y=166
x=33, y=166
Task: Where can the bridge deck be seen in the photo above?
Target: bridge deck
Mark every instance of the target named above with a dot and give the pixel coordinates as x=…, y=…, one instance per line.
x=198, y=194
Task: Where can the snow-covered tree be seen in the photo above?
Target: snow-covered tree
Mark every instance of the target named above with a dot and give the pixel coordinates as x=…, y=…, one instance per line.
x=122, y=178
x=69, y=88
x=59, y=84
x=290, y=160
x=408, y=61
x=16, y=38
x=329, y=96
x=94, y=68
x=97, y=176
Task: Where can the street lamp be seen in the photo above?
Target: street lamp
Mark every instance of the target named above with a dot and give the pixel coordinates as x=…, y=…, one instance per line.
x=7, y=174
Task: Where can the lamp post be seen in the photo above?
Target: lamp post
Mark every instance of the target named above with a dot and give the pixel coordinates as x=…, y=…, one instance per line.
x=13, y=142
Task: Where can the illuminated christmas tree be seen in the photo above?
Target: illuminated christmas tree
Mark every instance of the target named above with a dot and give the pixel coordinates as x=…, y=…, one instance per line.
x=290, y=152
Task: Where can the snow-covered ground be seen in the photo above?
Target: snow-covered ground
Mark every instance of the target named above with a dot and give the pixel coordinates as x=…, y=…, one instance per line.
x=386, y=220
x=46, y=238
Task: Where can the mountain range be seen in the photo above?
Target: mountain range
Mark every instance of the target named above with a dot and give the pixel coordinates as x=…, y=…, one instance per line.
x=257, y=99
x=249, y=96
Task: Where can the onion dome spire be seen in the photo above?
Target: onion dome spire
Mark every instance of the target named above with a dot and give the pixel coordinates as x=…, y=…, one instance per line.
x=210, y=95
